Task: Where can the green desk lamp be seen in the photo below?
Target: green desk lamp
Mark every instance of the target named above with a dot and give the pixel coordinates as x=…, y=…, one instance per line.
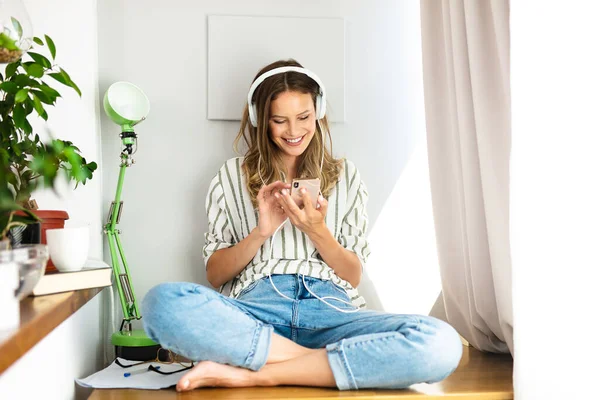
x=126, y=105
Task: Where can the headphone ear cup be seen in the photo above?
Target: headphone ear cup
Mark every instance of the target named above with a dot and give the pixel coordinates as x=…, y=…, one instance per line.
x=320, y=107
x=252, y=115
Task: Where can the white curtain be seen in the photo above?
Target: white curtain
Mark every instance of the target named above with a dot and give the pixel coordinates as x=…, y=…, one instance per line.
x=554, y=196
x=467, y=104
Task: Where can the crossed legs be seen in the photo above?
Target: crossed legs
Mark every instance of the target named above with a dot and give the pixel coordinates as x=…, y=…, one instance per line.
x=288, y=364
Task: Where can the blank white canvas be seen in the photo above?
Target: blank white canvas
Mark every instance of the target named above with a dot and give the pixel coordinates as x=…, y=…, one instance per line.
x=238, y=47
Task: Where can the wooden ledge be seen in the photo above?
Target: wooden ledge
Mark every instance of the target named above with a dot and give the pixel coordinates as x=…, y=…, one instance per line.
x=39, y=316
x=479, y=376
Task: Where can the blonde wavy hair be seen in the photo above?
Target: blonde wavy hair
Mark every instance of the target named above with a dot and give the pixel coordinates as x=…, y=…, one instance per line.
x=261, y=146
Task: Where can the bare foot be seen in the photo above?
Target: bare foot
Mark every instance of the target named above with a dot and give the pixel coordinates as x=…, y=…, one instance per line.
x=208, y=373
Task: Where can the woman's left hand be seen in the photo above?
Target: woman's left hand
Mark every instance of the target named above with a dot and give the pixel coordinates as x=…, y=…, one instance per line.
x=309, y=219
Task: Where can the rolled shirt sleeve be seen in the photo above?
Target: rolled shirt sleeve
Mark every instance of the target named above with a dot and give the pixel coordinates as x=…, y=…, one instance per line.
x=219, y=234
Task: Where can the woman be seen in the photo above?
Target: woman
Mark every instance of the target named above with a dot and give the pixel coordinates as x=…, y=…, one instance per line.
x=293, y=316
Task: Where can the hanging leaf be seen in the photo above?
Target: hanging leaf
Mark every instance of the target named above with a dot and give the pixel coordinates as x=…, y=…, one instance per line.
x=27, y=127
x=34, y=70
x=23, y=80
x=51, y=93
x=70, y=81
x=39, y=108
x=37, y=40
x=19, y=116
x=65, y=79
x=11, y=69
x=28, y=106
x=40, y=59
x=9, y=87
x=51, y=46
x=44, y=98
x=21, y=95
x=59, y=77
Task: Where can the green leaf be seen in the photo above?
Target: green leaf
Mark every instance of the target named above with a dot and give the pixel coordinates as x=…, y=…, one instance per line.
x=12, y=68
x=16, y=149
x=21, y=95
x=70, y=81
x=38, y=41
x=65, y=79
x=23, y=80
x=9, y=87
x=19, y=116
x=40, y=59
x=27, y=127
x=28, y=106
x=51, y=93
x=58, y=145
x=34, y=70
x=37, y=104
x=17, y=26
x=44, y=98
x=59, y=77
x=51, y=46
x=1, y=77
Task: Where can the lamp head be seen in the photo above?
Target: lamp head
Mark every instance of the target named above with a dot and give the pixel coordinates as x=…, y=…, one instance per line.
x=126, y=105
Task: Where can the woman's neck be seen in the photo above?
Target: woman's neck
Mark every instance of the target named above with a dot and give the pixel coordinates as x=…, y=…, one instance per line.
x=291, y=165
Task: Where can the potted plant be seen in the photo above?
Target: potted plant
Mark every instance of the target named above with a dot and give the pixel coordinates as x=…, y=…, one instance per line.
x=27, y=162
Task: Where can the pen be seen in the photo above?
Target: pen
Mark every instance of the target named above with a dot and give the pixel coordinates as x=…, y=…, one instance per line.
x=139, y=371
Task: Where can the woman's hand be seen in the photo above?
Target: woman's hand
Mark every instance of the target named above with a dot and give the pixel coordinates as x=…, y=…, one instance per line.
x=309, y=220
x=270, y=213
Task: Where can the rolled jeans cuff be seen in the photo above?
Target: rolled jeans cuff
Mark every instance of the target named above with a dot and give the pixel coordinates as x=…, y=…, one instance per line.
x=344, y=379
x=261, y=342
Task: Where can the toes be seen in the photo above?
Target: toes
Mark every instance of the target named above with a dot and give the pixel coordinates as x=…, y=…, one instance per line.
x=183, y=384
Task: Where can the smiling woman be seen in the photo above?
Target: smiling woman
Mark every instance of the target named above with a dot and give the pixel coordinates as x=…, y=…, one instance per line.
x=293, y=304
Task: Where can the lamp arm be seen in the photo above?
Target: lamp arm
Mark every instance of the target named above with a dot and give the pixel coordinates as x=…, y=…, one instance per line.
x=123, y=280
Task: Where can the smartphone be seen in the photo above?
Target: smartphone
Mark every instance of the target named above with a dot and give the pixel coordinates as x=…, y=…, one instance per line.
x=312, y=186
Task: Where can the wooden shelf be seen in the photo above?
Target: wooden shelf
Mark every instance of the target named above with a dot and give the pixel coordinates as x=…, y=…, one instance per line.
x=479, y=376
x=39, y=316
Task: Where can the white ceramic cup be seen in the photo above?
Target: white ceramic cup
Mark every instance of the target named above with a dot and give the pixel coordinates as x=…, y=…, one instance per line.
x=68, y=247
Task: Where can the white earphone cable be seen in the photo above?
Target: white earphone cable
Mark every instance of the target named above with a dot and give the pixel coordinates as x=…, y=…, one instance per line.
x=322, y=299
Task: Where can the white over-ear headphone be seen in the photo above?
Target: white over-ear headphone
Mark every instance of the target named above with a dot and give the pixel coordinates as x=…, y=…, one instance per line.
x=321, y=100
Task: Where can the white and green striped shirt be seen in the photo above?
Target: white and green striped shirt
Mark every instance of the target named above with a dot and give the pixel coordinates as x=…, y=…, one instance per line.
x=231, y=217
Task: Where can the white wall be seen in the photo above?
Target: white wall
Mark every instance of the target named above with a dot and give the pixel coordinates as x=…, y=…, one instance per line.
x=73, y=350
x=161, y=46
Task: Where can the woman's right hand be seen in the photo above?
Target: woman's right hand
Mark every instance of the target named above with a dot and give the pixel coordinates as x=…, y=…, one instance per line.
x=270, y=213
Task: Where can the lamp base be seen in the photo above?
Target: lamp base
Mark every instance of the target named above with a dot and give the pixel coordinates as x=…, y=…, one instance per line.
x=146, y=353
x=134, y=345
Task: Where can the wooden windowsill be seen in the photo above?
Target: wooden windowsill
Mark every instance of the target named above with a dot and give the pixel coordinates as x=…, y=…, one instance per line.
x=480, y=376
x=39, y=316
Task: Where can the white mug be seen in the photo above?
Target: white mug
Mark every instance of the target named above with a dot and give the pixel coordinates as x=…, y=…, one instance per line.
x=68, y=247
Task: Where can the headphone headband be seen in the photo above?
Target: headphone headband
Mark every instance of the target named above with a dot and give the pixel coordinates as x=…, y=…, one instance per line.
x=321, y=102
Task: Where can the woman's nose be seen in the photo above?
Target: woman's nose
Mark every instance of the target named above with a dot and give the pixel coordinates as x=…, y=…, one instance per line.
x=295, y=129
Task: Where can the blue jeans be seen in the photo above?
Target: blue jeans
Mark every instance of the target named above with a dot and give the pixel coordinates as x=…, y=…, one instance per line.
x=365, y=349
